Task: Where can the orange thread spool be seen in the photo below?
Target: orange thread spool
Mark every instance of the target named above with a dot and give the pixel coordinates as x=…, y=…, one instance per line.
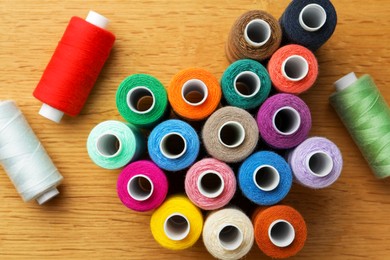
x=194, y=94
x=280, y=231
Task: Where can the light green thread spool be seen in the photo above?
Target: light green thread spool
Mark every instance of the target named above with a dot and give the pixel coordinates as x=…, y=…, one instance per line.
x=366, y=115
x=141, y=100
x=113, y=144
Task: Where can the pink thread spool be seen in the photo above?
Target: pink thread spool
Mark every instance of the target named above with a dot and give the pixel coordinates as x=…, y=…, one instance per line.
x=210, y=184
x=142, y=186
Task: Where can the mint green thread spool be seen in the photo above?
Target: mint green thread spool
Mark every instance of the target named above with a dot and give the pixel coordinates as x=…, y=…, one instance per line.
x=366, y=115
x=113, y=144
x=142, y=100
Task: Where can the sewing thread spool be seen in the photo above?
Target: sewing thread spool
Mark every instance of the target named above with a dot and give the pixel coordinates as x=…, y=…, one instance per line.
x=74, y=67
x=316, y=163
x=113, y=144
x=293, y=69
x=284, y=121
x=210, y=184
x=23, y=157
x=173, y=145
x=309, y=23
x=230, y=134
x=280, y=231
x=254, y=35
x=228, y=234
x=142, y=186
x=194, y=93
x=366, y=115
x=265, y=178
x=142, y=100
x=177, y=224
x=245, y=84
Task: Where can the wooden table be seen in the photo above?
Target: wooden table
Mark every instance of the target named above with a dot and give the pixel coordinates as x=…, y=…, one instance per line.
x=349, y=220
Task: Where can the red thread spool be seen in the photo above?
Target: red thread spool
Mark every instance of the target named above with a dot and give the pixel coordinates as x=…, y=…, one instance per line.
x=293, y=69
x=74, y=67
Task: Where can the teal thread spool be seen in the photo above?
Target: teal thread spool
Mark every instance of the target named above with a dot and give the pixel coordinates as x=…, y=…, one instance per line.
x=113, y=144
x=366, y=115
x=245, y=84
x=142, y=100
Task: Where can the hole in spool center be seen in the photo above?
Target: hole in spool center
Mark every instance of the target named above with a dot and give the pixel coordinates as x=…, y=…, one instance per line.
x=247, y=84
x=257, y=32
x=194, y=92
x=108, y=145
x=286, y=121
x=231, y=134
x=230, y=237
x=266, y=178
x=295, y=68
x=320, y=164
x=210, y=184
x=173, y=145
x=140, y=187
x=176, y=227
x=140, y=100
x=312, y=17
x=281, y=233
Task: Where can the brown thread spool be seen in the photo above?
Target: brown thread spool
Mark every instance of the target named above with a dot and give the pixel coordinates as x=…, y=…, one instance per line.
x=230, y=134
x=255, y=35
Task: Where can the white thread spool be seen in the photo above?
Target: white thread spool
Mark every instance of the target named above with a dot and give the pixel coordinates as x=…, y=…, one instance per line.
x=295, y=68
x=177, y=227
x=257, y=32
x=247, y=84
x=281, y=233
x=231, y=134
x=286, y=120
x=173, y=145
x=345, y=81
x=140, y=187
x=210, y=184
x=50, y=112
x=266, y=178
x=140, y=100
x=319, y=163
x=197, y=87
x=312, y=17
x=23, y=157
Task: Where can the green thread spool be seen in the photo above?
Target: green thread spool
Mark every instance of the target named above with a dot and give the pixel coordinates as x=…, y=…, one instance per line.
x=113, y=144
x=366, y=115
x=141, y=100
x=245, y=84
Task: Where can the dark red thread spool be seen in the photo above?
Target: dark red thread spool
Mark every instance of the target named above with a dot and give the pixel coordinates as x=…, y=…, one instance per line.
x=74, y=67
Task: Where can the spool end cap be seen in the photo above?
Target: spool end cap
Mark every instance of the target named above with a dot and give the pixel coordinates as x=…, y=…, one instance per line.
x=51, y=113
x=48, y=195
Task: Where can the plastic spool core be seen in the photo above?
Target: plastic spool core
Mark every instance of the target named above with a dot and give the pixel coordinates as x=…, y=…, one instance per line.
x=295, y=68
x=281, y=233
x=320, y=164
x=231, y=134
x=48, y=195
x=176, y=227
x=140, y=100
x=140, y=187
x=266, y=177
x=173, y=145
x=286, y=120
x=108, y=145
x=194, y=92
x=345, y=81
x=257, y=32
x=230, y=237
x=247, y=84
x=210, y=184
x=97, y=19
x=312, y=17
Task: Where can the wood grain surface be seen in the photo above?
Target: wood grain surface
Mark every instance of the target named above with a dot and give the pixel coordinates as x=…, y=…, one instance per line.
x=349, y=220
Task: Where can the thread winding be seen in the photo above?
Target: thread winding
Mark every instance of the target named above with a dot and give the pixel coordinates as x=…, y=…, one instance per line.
x=210, y=184
x=23, y=157
x=254, y=35
x=74, y=67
